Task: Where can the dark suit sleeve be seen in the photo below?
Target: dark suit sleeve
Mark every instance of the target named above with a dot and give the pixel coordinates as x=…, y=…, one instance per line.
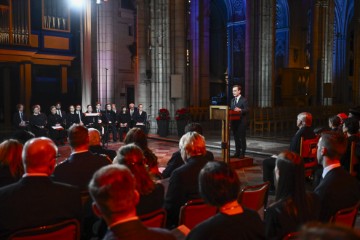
x=174, y=199
x=174, y=162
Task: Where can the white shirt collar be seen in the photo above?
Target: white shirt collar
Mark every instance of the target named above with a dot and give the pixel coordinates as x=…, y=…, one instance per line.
x=329, y=168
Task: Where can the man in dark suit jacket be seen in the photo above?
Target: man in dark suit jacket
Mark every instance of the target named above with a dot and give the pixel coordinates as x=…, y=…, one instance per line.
x=109, y=120
x=112, y=189
x=132, y=111
x=239, y=104
x=176, y=160
x=35, y=200
x=20, y=121
x=338, y=189
x=183, y=183
x=78, y=169
x=94, y=144
x=303, y=122
x=140, y=118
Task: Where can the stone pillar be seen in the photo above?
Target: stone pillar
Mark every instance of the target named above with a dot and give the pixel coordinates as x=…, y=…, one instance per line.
x=259, y=52
x=356, y=77
x=194, y=48
x=85, y=28
x=204, y=43
x=323, y=37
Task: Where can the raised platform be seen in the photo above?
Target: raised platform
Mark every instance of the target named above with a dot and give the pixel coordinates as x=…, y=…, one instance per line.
x=240, y=163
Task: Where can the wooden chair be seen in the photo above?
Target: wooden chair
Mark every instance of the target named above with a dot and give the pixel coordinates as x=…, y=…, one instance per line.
x=308, y=151
x=194, y=212
x=254, y=197
x=68, y=229
x=156, y=218
x=346, y=216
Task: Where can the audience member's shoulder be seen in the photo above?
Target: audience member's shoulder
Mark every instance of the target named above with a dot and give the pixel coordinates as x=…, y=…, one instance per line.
x=209, y=155
x=160, y=233
x=105, y=158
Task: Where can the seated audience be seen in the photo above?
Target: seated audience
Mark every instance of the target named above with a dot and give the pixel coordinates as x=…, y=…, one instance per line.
x=20, y=121
x=151, y=194
x=124, y=120
x=78, y=169
x=351, y=130
x=321, y=231
x=293, y=206
x=72, y=118
x=35, y=200
x=140, y=118
x=139, y=138
x=113, y=191
x=338, y=189
x=219, y=186
x=11, y=168
x=176, y=160
x=91, y=119
x=38, y=122
x=335, y=123
x=109, y=120
x=94, y=144
x=303, y=122
x=55, y=126
x=183, y=183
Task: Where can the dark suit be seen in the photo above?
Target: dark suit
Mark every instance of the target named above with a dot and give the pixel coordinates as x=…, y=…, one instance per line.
x=57, y=135
x=239, y=126
x=100, y=150
x=131, y=114
x=135, y=230
x=183, y=186
x=176, y=161
x=79, y=168
x=37, y=201
x=337, y=190
x=17, y=120
x=140, y=120
x=71, y=119
x=269, y=163
x=38, y=124
x=109, y=119
x=122, y=119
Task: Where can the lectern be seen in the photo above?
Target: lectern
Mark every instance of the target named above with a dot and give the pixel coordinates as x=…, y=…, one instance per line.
x=223, y=113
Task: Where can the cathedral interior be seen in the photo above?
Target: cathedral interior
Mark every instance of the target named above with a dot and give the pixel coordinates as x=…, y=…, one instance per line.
x=174, y=53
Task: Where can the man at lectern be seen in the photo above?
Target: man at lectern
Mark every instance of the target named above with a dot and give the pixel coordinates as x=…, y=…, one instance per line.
x=239, y=104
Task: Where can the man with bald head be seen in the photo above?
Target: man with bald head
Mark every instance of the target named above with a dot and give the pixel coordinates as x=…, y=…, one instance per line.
x=78, y=169
x=94, y=144
x=35, y=200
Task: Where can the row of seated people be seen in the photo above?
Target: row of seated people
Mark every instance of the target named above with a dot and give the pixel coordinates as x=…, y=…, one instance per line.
x=197, y=176
x=342, y=123
x=57, y=121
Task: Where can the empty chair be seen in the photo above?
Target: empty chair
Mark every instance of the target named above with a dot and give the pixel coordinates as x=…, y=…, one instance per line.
x=68, y=229
x=156, y=218
x=254, y=197
x=194, y=212
x=346, y=216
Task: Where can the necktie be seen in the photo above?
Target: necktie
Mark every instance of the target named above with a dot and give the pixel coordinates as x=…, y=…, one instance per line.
x=21, y=117
x=79, y=116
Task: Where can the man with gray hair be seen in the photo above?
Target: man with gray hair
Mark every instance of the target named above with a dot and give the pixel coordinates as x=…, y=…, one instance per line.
x=112, y=189
x=35, y=200
x=303, y=122
x=94, y=144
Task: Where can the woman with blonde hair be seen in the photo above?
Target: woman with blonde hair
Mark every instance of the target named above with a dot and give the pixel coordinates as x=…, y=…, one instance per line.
x=151, y=194
x=11, y=168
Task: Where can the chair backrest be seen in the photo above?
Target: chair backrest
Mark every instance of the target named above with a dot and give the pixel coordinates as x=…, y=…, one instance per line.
x=346, y=216
x=292, y=236
x=194, y=212
x=156, y=218
x=68, y=229
x=353, y=159
x=308, y=148
x=254, y=197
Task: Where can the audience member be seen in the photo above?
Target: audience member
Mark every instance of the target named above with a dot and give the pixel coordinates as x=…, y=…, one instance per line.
x=183, y=183
x=321, y=231
x=11, y=168
x=132, y=111
x=72, y=118
x=78, y=169
x=80, y=114
x=303, y=122
x=56, y=129
x=219, y=186
x=151, y=194
x=113, y=191
x=342, y=117
x=20, y=120
x=140, y=118
x=338, y=189
x=61, y=113
x=38, y=122
x=176, y=160
x=124, y=120
x=109, y=120
x=139, y=138
x=335, y=123
x=94, y=144
x=293, y=206
x=35, y=200
x=351, y=130
x=91, y=119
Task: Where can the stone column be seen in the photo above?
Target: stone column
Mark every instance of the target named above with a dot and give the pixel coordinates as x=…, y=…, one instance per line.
x=356, y=77
x=259, y=53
